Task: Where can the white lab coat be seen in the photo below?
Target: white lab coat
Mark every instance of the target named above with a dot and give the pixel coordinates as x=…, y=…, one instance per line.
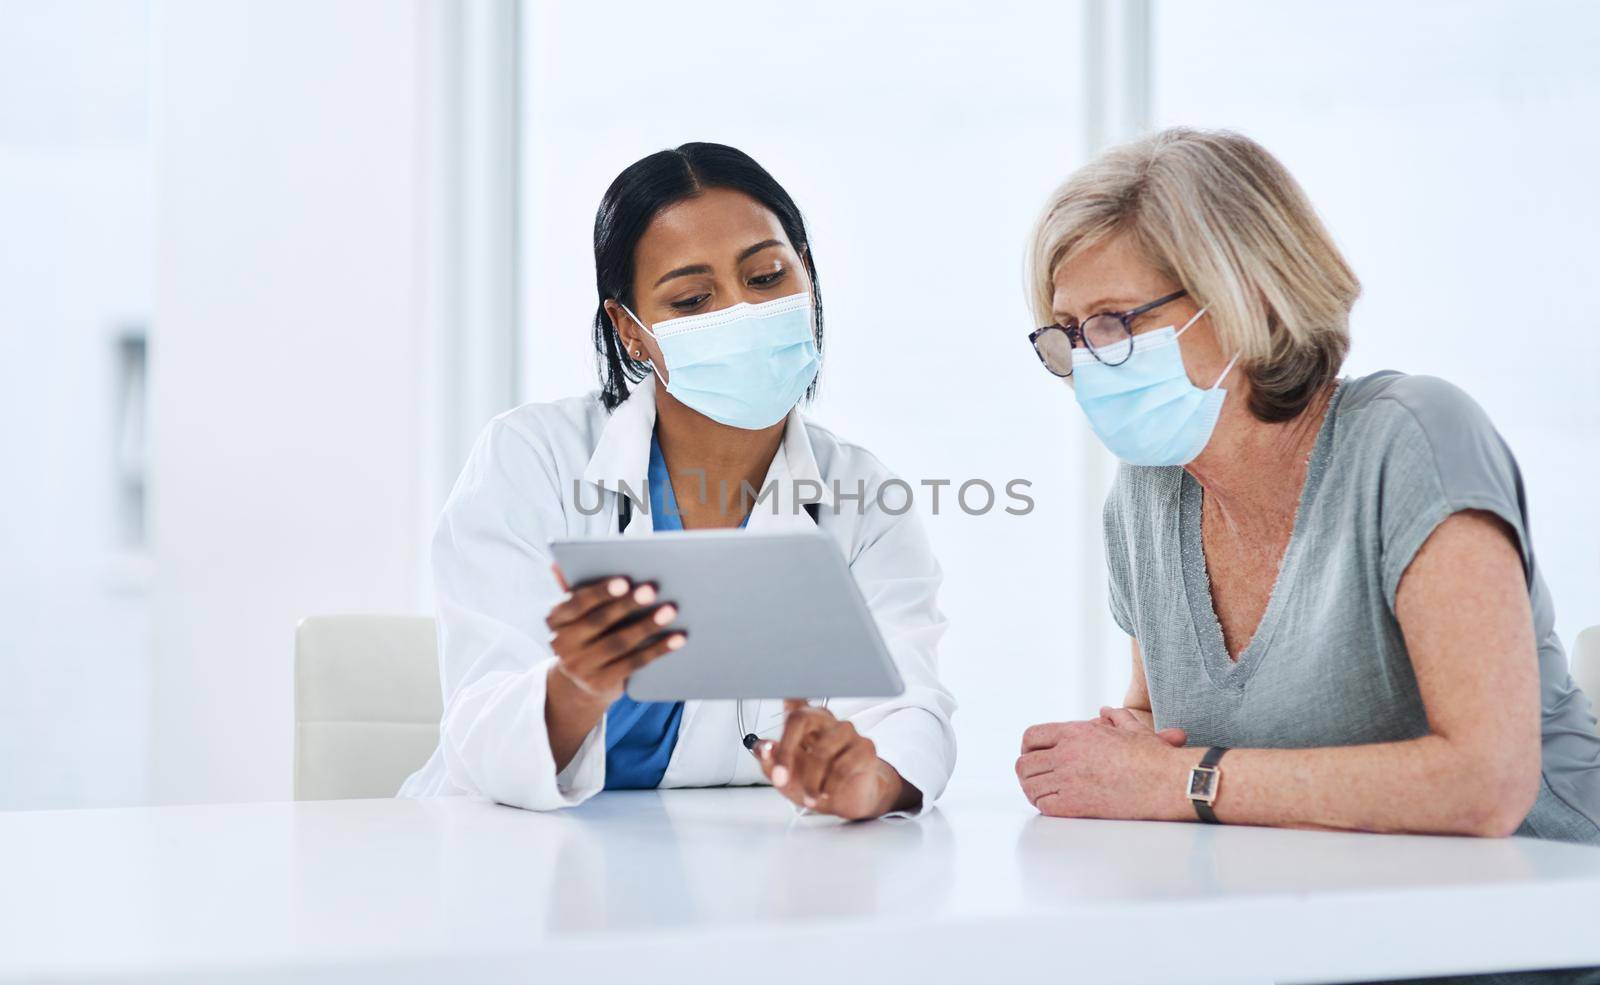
x=494, y=588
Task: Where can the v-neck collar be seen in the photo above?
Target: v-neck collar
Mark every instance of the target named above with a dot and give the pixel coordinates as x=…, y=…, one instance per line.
x=1223, y=670
x=664, y=512
x=621, y=459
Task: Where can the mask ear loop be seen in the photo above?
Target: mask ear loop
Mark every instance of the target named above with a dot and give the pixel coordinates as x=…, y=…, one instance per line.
x=646, y=331
x=1176, y=334
x=1226, y=370
x=1231, y=363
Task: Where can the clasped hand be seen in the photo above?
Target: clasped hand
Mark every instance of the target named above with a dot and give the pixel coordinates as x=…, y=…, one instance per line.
x=1114, y=766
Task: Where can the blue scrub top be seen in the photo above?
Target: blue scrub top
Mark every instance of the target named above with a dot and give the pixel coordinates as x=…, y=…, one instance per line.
x=640, y=736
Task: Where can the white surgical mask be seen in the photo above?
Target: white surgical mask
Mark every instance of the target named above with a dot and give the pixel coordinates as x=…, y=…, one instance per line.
x=1145, y=410
x=745, y=366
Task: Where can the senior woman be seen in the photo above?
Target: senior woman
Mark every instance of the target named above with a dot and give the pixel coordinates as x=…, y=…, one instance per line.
x=1328, y=579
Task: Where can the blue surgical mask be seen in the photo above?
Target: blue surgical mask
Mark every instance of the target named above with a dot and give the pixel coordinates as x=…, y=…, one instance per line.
x=745, y=366
x=1145, y=410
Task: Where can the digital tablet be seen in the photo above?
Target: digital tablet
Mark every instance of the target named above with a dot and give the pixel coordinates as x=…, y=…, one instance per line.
x=767, y=615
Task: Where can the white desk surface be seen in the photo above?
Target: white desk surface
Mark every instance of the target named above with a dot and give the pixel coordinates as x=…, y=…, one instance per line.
x=728, y=885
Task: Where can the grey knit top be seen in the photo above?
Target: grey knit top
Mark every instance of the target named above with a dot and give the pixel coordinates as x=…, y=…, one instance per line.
x=1328, y=665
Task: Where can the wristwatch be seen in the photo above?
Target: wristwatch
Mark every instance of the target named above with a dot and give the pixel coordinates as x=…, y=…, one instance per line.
x=1204, y=781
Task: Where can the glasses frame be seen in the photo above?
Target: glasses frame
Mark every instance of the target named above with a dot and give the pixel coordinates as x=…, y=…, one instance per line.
x=1076, y=338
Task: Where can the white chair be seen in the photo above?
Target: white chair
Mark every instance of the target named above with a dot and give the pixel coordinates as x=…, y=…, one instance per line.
x=1585, y=663
x=366, y=704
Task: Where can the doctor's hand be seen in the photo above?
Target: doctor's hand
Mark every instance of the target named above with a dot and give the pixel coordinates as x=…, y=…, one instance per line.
x=1115, y=766
x=605, y=630
x=600, y=633
x=826, y=766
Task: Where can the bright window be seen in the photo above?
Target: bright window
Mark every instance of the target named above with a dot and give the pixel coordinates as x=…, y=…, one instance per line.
x=1450, y=148
x=920, y=148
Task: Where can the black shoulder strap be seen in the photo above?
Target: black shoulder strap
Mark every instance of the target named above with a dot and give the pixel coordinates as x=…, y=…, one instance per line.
x=625, y=513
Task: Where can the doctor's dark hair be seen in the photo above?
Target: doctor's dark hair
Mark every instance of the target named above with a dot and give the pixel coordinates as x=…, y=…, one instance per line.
x=635, y=198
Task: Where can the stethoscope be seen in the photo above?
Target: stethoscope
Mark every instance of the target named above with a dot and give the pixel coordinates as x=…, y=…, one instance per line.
x=750, y=738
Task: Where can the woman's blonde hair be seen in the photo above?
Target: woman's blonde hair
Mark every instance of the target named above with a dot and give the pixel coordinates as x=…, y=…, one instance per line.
x=1216, y=213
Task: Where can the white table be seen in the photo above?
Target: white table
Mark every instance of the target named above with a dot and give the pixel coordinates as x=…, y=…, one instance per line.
x=729, y=886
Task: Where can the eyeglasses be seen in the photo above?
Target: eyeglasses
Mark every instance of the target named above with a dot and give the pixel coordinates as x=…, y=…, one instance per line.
x=1103, y=335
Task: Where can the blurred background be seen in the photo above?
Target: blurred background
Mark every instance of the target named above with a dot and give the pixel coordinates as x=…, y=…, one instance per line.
x=267, y=266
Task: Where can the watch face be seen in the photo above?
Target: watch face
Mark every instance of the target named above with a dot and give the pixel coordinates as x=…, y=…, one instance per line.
x=1202, y=783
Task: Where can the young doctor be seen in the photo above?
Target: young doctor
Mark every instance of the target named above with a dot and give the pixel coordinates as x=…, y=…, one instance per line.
x=709, y=333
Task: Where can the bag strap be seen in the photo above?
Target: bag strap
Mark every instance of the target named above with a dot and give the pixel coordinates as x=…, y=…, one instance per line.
x=625, y=513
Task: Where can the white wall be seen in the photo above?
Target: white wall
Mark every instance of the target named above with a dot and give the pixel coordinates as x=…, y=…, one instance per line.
x=75, y=232
x=920, y=149
x=1452, y=150
x=290, y=361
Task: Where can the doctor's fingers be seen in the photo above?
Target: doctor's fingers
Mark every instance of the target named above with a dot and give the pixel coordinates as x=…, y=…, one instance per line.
x=608, y=616
x=816, y=761
x=766, y=752
x=799, y=725
x=798, y=729
x=580, y=601
x=616, y=673
x=629, y=636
